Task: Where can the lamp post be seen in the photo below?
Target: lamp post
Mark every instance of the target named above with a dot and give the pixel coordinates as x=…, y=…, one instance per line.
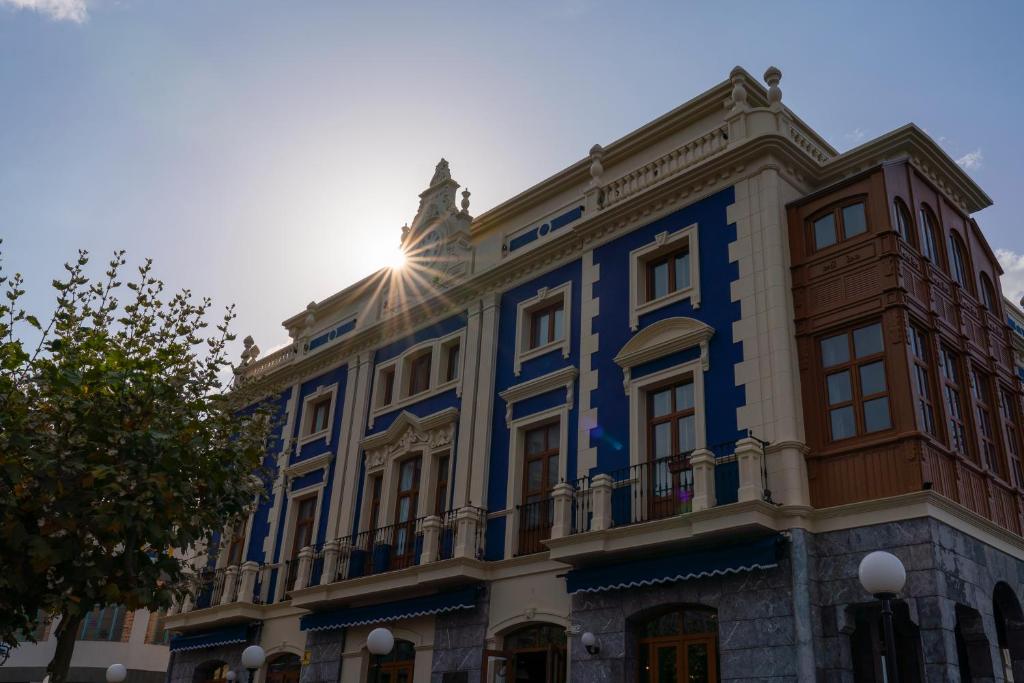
x=252, y=659
x=883, y=575
x=116, y=673
x=380, y=642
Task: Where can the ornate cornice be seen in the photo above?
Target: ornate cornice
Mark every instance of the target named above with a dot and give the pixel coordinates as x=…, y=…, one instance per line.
x=566, y=377
x=409, y=433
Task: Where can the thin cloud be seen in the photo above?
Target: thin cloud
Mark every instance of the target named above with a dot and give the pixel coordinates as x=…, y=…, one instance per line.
x=58, y=10
x=1013, y=273
x=856, y=135
x=972, y=160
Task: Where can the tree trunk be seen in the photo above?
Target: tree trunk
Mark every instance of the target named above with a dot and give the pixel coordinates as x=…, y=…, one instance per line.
x=67, y=631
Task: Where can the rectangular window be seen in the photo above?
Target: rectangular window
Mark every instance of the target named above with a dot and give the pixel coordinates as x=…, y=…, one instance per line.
x=981, y=392
x=387, y=386
x=920, y=368
x=668, y=273
x=671, y=436
x=403, y=547
x=546, y=325
x=856, y=388
x=419, y=374
x=441, y=486
x=155, y=632
x=1008, y=412
x=951, y=390
x=376, y=489
x=305, y=520
x=451, y=368
x=540, y=474
x=235, y=545
x=319, y=412
x=105, y=624
x=839, y=223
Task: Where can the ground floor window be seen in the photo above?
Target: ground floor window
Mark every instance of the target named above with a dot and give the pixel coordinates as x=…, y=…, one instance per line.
x=284, y=668
x=679, y=645
x=396, y=667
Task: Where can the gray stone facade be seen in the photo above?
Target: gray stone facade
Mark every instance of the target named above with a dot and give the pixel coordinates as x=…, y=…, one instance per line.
x=325, y=649
x=459, y=639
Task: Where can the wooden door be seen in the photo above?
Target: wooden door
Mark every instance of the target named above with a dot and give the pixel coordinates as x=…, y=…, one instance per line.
x=403, y=548
x=540, y=474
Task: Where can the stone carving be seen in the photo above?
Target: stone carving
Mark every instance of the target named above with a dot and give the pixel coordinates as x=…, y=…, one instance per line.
x=441, y=172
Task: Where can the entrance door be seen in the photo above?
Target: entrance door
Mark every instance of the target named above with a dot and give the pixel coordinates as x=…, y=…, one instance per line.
x=284, y=669
x=679, y=646
x=403, y=549
x=535, y=653
x=396, y=667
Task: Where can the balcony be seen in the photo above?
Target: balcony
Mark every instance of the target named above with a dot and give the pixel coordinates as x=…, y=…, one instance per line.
x=228, y=595
x=437, y=550
x=670, y=501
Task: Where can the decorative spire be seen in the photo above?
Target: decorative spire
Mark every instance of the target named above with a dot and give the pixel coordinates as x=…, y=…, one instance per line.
x=441, y=173
x=465, y=200
x=772, y=76
x=596, y=167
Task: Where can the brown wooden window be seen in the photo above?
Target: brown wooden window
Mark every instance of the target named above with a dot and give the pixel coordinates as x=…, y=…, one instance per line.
x=441, y=485
x=929, y=239
x=952, y=387
x=319, y=413
x=547, y=324
x=387, y=386
x=236, y=544
x=960, y=263
x=376, y=490
x=671, y=436
x=419, y=374
x=904, y=223
x=668, y=273
x=1008, y=412
x=451, y=368
x=982, y=394
x=406, y=504
x=920, y=375
x=540, y=474
x=856, y=388
x=988, y=294
x=839, y=223
x=305, y=520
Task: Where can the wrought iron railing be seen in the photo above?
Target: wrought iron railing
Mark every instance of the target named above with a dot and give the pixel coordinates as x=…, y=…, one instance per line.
x=534, y=522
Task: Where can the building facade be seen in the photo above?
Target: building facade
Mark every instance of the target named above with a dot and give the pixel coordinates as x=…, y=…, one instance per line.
x=668, y=397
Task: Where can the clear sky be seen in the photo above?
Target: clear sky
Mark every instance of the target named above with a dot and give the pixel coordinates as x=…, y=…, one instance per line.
x=267, y=153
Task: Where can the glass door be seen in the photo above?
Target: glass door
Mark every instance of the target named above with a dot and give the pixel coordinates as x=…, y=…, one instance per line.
x=403, y=550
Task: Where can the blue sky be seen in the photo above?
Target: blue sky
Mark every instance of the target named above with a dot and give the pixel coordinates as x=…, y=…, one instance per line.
x=267, y=153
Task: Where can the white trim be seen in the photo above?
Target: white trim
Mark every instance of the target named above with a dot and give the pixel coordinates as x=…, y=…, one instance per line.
x=566, y=377
x=308, y=465
x=399, y=398
x=663, y=242
x=294, y=499
x=661, y=339
x=306, y=417
x=590, y=308
x=544, y=297
x=637, y=388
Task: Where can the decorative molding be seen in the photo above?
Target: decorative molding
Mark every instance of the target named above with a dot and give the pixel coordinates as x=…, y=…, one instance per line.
x=566, y=377
x=407, y=433
x=664, y=338
x=544, y=297
x=308, y=465
x=638, y=258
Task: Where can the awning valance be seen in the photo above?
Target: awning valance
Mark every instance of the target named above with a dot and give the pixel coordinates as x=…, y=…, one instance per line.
x=391, y=611
x=238, y=633
x=714, y=561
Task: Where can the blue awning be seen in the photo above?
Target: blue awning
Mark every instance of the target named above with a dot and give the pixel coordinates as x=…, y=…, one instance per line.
x=391, y=611
x=238, y=633
x=715, y=561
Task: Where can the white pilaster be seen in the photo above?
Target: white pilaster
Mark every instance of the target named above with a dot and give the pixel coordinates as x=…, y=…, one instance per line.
x=589, y=310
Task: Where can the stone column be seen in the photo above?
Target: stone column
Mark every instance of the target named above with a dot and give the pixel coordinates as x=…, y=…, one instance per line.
x=703, y=463
x=305, y=559
x=561, y=497
x=330, y=572
x=227, y=593
x=601, y=502
x=467, y=521
x=431, y=539
x=749, y=458
x=247, y=581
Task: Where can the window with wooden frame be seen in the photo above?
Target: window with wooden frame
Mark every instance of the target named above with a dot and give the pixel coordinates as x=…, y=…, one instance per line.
x=386, y=388
x=441, y=484
x=319, y=415
x=841, y=222
x=856, y=389
x=929, y=236
x=547, y=324
x=920, y=370
x=305, y=521
x=960, y=262
x=671, y=437
x=450, y=356
x=1008, y=410
x=541, y=453
x=981, y=392
x=988, y=294
x=952, y=388
x=406, y=506
x=904, y=222
x=419, y=374
x=376, y=491
x=667, y=273
x=235, y=545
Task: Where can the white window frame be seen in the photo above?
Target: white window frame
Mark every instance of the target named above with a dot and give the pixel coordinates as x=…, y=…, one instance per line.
x=663, y=243
x=294, y=499
x=400, y=397
x=545, y=296
x=305, y=435
x=638, y=390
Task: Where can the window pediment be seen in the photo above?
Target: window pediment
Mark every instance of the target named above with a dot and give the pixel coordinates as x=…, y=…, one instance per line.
x=663, y=338
x=408, y=433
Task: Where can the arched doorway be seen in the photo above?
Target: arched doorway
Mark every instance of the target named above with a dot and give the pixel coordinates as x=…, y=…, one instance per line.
x=867, y=644
x=1009, y=630
x=531, y=654
x=396, y=667
x=211, y=672
x=972, y=647
x=284, y=668
x=678, y=645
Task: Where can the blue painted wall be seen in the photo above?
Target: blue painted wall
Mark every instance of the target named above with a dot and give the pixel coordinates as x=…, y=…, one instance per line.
x=261, y=521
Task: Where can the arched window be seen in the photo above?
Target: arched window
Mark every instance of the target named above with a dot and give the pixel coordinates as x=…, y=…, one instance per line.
x=211, y=672
x=396, y=666
x=284, y=668
x=960, y=264
x=929, y=238
x=904, y=222
x=680, y=644
x=988, y=294
x=536, y=653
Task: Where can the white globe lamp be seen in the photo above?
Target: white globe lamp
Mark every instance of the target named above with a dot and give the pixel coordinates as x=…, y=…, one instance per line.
x=882, y=573
x=380, y=641
x=231, y=676
x=116, y=673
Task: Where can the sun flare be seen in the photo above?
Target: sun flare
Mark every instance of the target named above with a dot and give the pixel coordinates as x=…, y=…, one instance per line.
x=396, y=260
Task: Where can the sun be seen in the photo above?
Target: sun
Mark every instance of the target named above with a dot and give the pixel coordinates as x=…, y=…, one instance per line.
x=396, y=260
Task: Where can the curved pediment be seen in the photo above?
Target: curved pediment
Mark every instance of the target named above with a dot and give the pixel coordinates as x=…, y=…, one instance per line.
x=410, y=433
x=663, y=338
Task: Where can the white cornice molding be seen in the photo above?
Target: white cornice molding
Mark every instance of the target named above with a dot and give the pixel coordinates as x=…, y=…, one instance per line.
x=308, y=465
x=566, y=377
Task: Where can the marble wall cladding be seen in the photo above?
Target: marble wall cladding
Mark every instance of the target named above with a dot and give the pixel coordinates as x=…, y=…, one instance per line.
x=183, y=665
x=459, y=642
x=325, y=648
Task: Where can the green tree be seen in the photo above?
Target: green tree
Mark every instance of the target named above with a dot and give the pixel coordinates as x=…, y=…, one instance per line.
x=118, y=445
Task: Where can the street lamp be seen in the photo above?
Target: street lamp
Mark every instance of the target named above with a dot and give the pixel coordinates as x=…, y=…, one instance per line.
x=116, y=673
x=231, y=676
x=252, y=659
x=380, y=642
x=883, y=575
x=589, y=642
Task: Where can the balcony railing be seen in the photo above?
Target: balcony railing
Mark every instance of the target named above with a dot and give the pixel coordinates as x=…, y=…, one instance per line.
x=534, y=523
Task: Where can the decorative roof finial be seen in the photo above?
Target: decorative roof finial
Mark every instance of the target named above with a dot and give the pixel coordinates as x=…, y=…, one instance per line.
x=441, y=172
x=739, y=90
x=772, y=77
x=596, y=167
x=465, y=200
x=250, y=352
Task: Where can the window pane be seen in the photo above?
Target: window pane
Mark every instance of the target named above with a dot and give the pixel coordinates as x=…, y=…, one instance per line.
x=872, y=378
x=697, y=663
x=839, y=388
x=867, y=340
x=535, y=475
x=843, y=424
x=876, y=414
x=700, y=621
x=854, y=222
x=535, y=441
x=552, y=471
x=666, y=625
x=559, y=325
x=662, y=440
x=684, y=396
x=661, y=402
x=835, y=350
x=659, y=279
x=404, y=508
x=683, y=270
x=687, y=434
x=541, y=326
x=668, y=668
x=553, y=436
x=825, y=231
x=405, y=481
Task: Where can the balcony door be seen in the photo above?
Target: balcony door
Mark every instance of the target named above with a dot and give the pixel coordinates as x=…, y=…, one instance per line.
x=679, y=645
x=671, y=436
x=302, y=535
x=540, y=474
x=403, y=548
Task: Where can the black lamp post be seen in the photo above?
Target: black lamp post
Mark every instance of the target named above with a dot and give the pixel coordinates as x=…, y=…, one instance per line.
x=379, y=642
x=883, y=575
x=252, y=659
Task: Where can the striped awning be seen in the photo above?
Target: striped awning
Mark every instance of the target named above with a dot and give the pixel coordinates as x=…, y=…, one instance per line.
x=391, y=611
x=228, y=635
